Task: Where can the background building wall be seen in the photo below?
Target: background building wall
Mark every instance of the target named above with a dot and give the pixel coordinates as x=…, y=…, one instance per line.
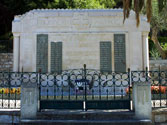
x=158, y=65
x=6, y=62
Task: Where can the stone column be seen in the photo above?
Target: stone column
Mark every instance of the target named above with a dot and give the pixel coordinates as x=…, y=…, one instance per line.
x=145, y=49
x=142, y=100
x=29, y=100
x=16, y=52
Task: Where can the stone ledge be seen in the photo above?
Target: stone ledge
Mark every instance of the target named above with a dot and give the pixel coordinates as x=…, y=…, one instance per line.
x=10, y=112
x=159, y=115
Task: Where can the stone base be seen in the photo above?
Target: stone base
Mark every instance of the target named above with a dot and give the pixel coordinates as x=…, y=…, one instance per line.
x=159, y=115
x=29, y=101
x=142, y=100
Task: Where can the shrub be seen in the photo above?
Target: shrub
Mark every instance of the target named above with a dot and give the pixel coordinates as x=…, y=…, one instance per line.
x=153, y=52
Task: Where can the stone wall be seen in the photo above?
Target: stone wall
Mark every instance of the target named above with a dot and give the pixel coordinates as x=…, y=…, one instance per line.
x=6, y=62
x=158, y=64
x=159, y=116
x=80, y=32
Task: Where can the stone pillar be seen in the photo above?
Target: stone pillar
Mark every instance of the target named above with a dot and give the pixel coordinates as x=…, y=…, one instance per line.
x=16, y=52
x=145, y=50
x=135, y=48
x=142, y=100
x=29, y=100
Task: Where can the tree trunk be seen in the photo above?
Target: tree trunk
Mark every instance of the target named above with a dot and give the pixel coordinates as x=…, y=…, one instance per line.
x=157, y=44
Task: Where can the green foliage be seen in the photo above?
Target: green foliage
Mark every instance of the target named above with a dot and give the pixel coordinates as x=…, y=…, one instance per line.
x=159, y=15
x=9, y=8
x=164, y=46
x=154, y=53
x=6, y=46
x=81, y=4
x=162, y=39
x=108, y=3
x=23, y=6
x=7, y=36
x=153, y=50
x=89, y=4
x=2, y=47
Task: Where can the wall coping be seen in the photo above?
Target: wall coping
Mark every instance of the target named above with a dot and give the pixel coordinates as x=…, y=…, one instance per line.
x=158, y=61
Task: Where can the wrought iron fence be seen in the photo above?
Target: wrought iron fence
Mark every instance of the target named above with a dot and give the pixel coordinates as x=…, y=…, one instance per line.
x=69, y=83
x=78, y=85
x=10, y=90
x=158, y=81
x=73, y=85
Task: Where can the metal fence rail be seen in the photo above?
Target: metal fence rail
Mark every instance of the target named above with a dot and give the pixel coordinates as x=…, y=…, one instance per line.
x=10, y=90
x=91, y=86
x=68, y=86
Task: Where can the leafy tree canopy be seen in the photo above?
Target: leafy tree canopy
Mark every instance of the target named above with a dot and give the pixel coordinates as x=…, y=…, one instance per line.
x=156, y=11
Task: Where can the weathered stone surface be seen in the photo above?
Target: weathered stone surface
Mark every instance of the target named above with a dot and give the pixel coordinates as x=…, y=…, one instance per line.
x=159, y=115
x=6, y=62
x=29, y=100
x=161, y=118
x=158, y=65
x=80, y=32
x=142, y=100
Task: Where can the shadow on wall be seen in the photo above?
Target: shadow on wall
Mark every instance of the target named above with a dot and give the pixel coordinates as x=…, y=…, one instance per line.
x=6, y=62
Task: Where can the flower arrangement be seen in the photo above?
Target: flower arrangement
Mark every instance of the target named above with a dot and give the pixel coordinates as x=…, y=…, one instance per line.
x=154, y=90
x=158, y=89
x=10, y=90
x=128, y=90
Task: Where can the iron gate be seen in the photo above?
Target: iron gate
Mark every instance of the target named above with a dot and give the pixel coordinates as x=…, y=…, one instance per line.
x=84, y=89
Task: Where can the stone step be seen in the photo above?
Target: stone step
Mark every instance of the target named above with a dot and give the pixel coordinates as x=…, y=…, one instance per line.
x=86, y=115
x=90, y=117
x=86, y=122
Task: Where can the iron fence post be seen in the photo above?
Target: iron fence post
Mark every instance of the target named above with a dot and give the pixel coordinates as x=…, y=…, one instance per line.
x=146, y=74
x=69, y=87
x=39, y=82
x=9, y=87
x=159, y=79
x=85, y=86
x=114, y=84
x=129, y=80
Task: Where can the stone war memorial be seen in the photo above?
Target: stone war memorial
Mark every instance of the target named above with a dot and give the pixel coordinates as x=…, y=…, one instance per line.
x=81, y=59
x=53, y=40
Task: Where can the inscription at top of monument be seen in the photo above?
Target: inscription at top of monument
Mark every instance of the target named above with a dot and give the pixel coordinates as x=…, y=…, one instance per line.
x=80, y=20
x=54, y=21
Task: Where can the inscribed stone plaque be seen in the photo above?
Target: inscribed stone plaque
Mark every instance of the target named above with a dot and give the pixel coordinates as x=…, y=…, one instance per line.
x=56, y=56
x=42, y=53
x=105, y=56
x=119, y=53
